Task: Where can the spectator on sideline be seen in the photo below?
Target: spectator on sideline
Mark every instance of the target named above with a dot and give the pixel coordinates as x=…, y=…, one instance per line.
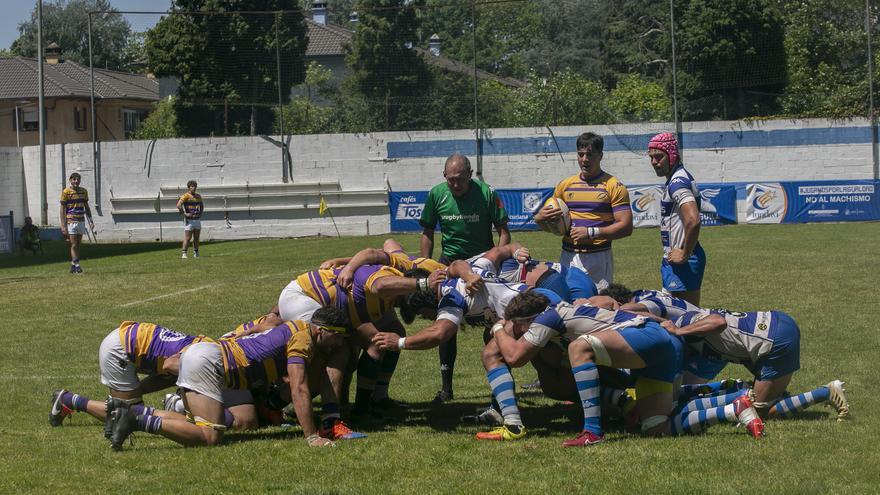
x=466, y=210
x=29, y=239
x=74, y=209
x=192, y=207
x=600, y=213
x=683, y=258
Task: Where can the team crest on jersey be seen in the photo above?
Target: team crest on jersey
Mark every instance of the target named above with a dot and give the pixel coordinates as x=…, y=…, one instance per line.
x=170, y=335
x=602, y=196
x=762, y=326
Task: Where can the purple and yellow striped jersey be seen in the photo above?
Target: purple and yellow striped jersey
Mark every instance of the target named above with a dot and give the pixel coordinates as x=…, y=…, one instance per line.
x=592, y=203
x=192, y=204
x=405, y=262
x=74, y=201
x=245, y=327
x=361, y=303
x=148, y=345
x=262, y=358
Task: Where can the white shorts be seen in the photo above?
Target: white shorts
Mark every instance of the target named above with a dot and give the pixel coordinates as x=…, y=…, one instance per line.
x=117, y=372
x=294, y=304
x=201, y=370
x=76, y=228
x=190, y=224
x=599, y=266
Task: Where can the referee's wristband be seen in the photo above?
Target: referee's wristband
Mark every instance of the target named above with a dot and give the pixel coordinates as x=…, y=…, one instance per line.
x=401, y=343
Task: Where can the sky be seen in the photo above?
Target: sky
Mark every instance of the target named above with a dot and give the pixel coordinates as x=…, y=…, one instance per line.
x=17, y=11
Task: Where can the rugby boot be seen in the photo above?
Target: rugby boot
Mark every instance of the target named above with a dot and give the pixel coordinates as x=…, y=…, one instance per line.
x=111, y=404
x=59, y=411
x=584, y=439
x=124, y=423
x=489, y=417
x=503, y=433
x=748, y=416
x=837, y=399
x=441, y=397
x=336, y=429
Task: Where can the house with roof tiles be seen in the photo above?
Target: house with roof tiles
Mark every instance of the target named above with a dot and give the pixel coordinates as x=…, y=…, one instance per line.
x=122, y=101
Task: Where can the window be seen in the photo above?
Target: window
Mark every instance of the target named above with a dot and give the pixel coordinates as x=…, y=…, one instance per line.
x=28, y=119
x=132, y=120
x=79, y=118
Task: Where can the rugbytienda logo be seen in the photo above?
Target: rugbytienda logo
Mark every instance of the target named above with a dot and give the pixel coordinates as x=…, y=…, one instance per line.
x=763, y=198
x=641, y=202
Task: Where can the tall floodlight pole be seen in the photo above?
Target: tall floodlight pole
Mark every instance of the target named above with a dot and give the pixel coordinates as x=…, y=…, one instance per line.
x=284, y=177
x=94, y=122
x=875, y=146
x=674, y=80
x=44, y=204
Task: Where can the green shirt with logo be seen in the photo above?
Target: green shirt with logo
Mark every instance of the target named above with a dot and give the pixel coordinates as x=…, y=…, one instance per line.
x=466, y=222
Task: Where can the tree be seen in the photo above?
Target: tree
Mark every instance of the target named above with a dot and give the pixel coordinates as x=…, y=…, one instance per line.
x=226, y=63
x=65, y=22
x=566, y=98
x=161, y=123
x=571, y=37
x=384, y=67
x=637, y=41
x=827, y=63
x=305, y=114
x=636, y=99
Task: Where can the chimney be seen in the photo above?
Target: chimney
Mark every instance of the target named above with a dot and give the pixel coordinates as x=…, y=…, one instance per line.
x=434, y=45
x=353, y=18
x=53, y=54
x=319, y=12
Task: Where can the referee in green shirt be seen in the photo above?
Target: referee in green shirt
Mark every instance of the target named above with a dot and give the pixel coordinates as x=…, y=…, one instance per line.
x=466, y=210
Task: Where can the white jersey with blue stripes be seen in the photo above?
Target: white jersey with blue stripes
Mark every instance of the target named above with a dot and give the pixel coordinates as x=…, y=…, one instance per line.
x=661, y=304
x=568, y=321
x=680, y=188
x=510, y=269
x=747, y=338
x=483, y=308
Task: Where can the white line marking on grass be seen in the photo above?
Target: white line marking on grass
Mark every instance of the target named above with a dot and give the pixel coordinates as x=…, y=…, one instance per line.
x=163, y=296
x=52, y=378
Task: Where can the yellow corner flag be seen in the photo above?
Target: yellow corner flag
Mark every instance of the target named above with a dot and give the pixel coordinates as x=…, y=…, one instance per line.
x=322, y=206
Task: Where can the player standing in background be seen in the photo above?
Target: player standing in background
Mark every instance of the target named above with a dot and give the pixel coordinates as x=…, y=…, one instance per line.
x=466, y=210
x=600, y=213
x=191, y=206
x=74, y=210
x=683, y=258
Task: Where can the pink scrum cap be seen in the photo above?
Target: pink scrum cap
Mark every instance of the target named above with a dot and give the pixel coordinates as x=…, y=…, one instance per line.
x=665, y=142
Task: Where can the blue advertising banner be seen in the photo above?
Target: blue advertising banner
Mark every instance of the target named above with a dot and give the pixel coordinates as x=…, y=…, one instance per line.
x=521, y=204
x=717, y=204
x=406, y=209
x=831, y=201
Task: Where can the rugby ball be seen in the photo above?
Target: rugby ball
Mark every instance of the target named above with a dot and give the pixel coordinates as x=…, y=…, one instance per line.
x=562, y=225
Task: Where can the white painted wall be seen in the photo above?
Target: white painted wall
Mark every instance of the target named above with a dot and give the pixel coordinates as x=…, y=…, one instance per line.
x=358, y=162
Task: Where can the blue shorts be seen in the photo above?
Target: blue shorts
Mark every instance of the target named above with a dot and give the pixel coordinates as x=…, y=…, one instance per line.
x=785, y=355
x=686, y=276
x=662, y=353
x=579, y=283
x=703, y=367
x=553, y=281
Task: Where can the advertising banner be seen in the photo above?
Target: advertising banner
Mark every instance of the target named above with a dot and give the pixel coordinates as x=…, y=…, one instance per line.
x=765, y=203
x=832, y=201
x=406, y=209
x=521, y=204
x=645, y=204
x=717, y=204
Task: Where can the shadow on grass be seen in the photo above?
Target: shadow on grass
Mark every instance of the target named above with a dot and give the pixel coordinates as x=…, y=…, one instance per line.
x=59, y=251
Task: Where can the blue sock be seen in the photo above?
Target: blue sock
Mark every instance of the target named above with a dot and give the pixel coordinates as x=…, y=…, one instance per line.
x=149, y=424
x=139, y=409
x=789, y=406
x=501, y=382
x=703, y=403
x=586, y=377
x=228, y=418
x=697, y=421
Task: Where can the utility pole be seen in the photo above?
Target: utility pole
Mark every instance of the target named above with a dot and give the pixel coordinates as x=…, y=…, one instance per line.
x=44, y=204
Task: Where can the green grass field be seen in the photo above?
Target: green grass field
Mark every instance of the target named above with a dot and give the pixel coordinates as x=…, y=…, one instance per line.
x=825, y=276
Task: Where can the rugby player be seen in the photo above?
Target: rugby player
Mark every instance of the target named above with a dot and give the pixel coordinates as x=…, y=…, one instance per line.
x=207, y=368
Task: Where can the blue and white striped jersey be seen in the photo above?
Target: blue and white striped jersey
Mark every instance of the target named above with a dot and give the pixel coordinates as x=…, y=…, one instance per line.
x=747, y=338
x=662, y=304
x=483, y=308
x=680, y=188
x=570, y=322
